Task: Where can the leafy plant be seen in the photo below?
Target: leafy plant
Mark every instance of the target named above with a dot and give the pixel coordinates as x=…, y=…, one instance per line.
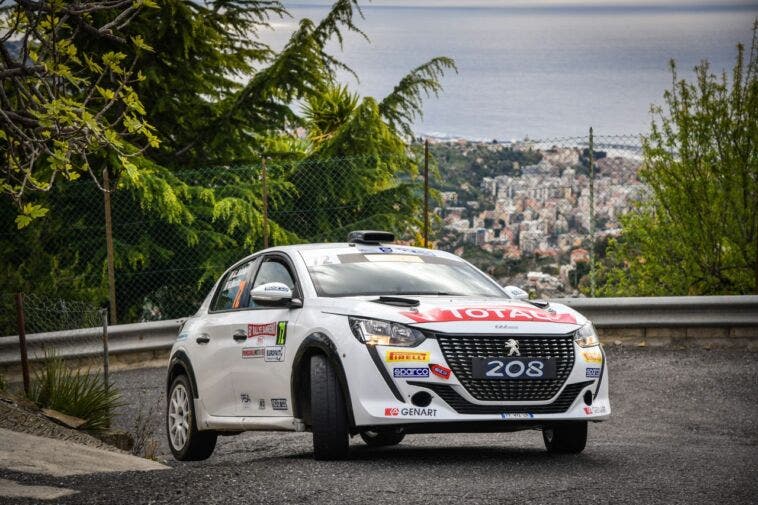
x=76, y=393
x=696, y=232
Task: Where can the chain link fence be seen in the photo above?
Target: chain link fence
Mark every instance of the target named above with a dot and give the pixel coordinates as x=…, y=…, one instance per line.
x=532, y=213
x=47, y=327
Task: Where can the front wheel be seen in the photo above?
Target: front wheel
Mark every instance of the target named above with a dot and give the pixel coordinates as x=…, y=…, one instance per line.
x=565, y=438
x=184, y=439
x=382, y=438
x=328, y=412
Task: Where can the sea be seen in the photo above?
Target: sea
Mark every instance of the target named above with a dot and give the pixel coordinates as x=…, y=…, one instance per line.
x=534, y=71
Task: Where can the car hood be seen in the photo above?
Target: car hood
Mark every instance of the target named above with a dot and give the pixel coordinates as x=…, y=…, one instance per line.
x=464, y=314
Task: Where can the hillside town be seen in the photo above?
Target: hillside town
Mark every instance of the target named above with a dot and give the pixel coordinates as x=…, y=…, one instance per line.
x=538, y=215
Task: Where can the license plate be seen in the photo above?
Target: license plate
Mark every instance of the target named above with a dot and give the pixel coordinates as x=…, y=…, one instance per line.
x=513, y=368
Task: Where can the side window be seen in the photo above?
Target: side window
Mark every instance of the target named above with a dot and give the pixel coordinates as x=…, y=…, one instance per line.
x=274, y=270
x=232, y=294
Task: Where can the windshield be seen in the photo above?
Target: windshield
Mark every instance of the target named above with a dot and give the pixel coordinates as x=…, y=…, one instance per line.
x=396, y=274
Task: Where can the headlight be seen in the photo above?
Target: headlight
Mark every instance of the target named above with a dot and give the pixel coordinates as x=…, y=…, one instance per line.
x=586, y=336
x=376, y=332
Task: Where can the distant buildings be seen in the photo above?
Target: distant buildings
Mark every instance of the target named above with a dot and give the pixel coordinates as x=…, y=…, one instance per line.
x=545, y=210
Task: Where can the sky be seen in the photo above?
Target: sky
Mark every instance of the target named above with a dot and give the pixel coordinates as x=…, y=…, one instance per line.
x=536, y=3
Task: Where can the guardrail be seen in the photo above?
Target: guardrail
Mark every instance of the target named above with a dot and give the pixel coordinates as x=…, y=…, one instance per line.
x=81, y=343
x=662, y=318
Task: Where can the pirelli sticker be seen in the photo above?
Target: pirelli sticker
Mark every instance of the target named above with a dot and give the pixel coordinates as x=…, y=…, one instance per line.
x=405, y=356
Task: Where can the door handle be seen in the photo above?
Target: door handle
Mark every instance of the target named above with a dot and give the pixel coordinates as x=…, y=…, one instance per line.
x=203, y=339
x=240, y=336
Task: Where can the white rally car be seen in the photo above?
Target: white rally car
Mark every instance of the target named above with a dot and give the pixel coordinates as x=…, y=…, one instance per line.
x=380, y=340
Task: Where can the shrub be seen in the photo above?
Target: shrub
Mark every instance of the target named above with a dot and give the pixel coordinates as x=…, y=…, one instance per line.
x=80, y=394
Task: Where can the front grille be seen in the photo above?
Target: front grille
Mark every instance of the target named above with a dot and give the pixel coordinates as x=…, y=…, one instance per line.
x=462, y=406
x=459, y=349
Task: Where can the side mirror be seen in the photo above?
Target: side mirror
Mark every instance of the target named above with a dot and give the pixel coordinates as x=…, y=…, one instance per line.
x=516, y=293
x=271, y=292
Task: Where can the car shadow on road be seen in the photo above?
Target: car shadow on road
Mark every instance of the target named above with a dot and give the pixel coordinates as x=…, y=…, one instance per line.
x=410, y=455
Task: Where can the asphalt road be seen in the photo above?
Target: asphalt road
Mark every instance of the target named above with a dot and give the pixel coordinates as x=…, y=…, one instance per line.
x=683, y=430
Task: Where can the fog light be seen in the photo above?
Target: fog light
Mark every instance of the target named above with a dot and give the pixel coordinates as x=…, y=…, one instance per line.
x=588, y=397
x=421, y=399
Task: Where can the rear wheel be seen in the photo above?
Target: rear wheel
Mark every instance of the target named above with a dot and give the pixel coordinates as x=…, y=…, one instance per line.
x=565, y=438
x=328, y=412
x=184, y=440
x=382, y=438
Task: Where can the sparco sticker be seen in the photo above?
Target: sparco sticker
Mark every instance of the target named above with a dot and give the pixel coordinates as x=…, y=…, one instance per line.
x=526, y=314
x=409, y=411
x=410, y=372
x=593, y=372
x=396, y=356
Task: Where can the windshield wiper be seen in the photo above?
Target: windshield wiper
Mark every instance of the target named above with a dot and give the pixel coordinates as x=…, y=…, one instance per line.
x=397, y=301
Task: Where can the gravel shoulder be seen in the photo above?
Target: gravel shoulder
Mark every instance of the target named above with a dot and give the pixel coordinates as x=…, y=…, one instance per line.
x=683, y=430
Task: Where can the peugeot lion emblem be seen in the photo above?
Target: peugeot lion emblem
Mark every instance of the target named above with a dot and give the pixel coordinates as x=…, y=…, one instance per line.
x=512, y=346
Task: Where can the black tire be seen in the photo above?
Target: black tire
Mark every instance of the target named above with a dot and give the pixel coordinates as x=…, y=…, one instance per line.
x=565, y=438
x=382, y=438
x=328, y=412
x=197, y=445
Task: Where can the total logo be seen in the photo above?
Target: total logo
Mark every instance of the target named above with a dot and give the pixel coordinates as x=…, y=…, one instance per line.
x=526, y=314
x=409, y=411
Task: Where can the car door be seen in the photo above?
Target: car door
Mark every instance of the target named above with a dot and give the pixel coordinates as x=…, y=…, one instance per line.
x=262, y=372
x=216, y=348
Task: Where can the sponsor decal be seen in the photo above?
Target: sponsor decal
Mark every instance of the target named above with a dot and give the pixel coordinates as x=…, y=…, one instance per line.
x=261, y=404
x=182, y=336
x=245, y=400
x=526, y=314
x=593, y=372
x=395, y=356
x=597, y=409
x=517, y=415
x=409, y=411
x=410, y=372
x=385, y=249
x=440, y=371
x=260, y=331
x=279, y=403
x=274, y=287
x=281, y=332
x=592, y=357
x=253, y=352
x=274, y=353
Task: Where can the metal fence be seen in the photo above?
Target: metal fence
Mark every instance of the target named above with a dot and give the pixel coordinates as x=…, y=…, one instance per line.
x=528, y=212
x=55, y=328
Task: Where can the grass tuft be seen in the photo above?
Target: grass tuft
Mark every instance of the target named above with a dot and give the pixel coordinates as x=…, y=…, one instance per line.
x=76, y=393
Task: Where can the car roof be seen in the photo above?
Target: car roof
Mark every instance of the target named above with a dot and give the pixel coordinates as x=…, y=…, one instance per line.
x=348, y=247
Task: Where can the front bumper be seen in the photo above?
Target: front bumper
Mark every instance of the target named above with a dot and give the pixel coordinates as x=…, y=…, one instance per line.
x=382, y=396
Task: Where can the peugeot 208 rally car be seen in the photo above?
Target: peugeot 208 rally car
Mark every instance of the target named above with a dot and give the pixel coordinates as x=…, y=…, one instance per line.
x=374, y=339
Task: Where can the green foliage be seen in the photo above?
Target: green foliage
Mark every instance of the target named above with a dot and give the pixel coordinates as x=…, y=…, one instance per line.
x=79, y=394
x=221, y=103
x=62, y=103
x=696, y=231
